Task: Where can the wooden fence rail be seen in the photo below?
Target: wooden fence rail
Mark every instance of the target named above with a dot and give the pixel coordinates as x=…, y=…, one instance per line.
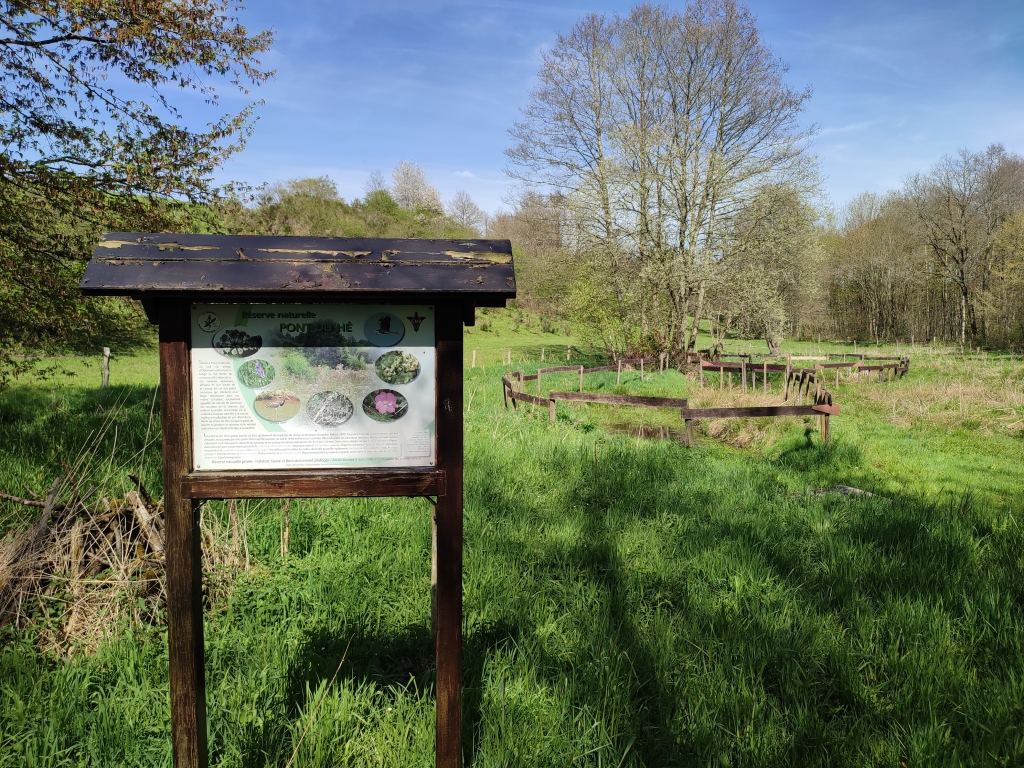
x=822, y=408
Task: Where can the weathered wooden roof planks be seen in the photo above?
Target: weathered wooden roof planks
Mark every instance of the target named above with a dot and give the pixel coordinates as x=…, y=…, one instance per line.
x=225, y=266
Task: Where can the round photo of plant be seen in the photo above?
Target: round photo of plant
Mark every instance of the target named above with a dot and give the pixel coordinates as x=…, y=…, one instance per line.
x=256, y=374
x=397, y=367
x=329, y=409
x=277, y=405
x=385, y=405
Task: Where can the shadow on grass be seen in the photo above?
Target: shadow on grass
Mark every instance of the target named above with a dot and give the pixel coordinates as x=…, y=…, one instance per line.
x=402, y=660
x=780, y=631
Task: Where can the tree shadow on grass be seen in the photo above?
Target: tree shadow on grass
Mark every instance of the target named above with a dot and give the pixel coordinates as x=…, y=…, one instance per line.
x=764, y=593
x=402, y=660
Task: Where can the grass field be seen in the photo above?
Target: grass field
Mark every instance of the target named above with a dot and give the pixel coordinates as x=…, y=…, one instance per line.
x=627, y=602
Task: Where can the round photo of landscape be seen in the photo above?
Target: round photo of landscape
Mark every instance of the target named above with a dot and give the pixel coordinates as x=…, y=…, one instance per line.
x=385, y=405
x=397, y=367
x=234, y=342
x=277, y=405
x=329, y=409
x=256, y=374
x=384, y=329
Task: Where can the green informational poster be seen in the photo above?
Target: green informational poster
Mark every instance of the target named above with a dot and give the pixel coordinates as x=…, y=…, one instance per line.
x=277, y=386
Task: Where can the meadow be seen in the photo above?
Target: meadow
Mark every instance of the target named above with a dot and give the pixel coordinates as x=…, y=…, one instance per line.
x=628, y=602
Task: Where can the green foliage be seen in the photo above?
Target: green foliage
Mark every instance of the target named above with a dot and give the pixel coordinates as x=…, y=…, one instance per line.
x=312, y=208
x=298, y=366
x=397, y=367
x=79, y=156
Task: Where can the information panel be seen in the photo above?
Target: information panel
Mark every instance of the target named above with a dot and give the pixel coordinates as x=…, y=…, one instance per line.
x=277, y=386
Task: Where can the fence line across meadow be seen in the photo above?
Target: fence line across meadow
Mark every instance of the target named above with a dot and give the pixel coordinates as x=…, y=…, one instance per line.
x=513, y=391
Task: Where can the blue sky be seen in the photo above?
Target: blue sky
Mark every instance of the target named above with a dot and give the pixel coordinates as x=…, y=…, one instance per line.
x=362, y=86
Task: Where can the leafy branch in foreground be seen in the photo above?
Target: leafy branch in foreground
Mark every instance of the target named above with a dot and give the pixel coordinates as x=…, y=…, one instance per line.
x=91, y=140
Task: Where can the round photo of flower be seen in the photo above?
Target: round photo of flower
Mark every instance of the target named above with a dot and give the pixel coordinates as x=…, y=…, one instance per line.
x=385, y=405
x=277, y=405
x=397, y=367
x=256, y=374
x=329, y=409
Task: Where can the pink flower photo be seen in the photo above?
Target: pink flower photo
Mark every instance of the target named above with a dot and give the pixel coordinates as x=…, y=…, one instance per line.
x=385, y=405
x=385, y=402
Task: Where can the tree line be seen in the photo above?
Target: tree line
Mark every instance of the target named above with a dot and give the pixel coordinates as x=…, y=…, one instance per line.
x=939, y=259
x=667, y=186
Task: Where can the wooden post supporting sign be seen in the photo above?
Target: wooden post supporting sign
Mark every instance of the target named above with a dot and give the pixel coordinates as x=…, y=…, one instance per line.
x=183, y=552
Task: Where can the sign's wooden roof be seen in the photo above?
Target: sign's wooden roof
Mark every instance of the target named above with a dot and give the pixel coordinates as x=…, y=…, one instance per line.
x=222, y=266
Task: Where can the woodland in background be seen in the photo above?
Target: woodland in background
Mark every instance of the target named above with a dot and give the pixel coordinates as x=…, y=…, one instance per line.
x=668, y=185
x=941, y=258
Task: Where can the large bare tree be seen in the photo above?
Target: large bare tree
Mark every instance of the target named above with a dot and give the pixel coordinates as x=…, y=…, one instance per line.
x=659, y=128
x=959, y=206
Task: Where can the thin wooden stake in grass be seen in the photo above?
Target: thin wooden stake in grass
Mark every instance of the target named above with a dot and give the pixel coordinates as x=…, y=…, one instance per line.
x=319, y=704
x=106, y=368
x=285, y=525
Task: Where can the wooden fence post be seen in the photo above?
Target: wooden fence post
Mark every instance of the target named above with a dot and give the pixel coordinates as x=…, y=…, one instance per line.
x=618, y=376
x=743, y=373
x=702, y=374
x=542, y=354
x=106, y=368
x=765, y=377
x=474, y=359
x=689, y=433
x=509, y=362
x=581, y=378
x=568, y=354
x=551, y=411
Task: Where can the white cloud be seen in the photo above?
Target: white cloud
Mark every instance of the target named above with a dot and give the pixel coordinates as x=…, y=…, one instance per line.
x=466, y=174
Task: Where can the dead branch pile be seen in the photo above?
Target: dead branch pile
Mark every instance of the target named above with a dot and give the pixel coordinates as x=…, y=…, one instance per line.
x=83, y=568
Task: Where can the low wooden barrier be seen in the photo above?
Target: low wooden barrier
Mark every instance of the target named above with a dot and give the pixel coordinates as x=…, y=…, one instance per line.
x=749, y=370
x=597, y=397
x=561, y=369
x=636, y=361
x=823, y=406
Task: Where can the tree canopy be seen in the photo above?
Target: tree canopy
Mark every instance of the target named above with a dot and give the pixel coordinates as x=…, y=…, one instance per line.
x=93, y=137
x=661, y=129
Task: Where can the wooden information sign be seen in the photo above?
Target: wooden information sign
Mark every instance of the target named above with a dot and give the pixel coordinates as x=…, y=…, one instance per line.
x=243, y=320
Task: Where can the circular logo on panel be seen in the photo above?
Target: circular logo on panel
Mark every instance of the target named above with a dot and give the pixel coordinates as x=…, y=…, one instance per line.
x=384, y=329
x=209, y=322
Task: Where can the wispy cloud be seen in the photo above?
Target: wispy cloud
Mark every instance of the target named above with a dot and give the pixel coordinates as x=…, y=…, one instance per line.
x=848, y=128
x=466, y=174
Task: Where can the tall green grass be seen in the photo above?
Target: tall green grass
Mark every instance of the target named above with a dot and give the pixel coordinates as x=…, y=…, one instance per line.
x=627, y=602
